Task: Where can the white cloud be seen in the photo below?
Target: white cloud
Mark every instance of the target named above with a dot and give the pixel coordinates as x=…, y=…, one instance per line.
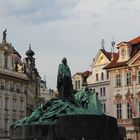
x=70, y=28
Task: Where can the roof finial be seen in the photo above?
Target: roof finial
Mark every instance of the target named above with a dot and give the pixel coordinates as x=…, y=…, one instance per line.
x=113, y=44
x=4, y=35
x=29, y=46
x=102, y=43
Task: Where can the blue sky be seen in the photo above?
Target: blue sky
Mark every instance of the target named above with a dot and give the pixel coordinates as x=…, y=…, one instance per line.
x=67, y=28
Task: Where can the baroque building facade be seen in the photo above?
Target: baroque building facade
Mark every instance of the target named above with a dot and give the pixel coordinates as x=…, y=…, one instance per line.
x=116, y=79
x=19, y=85
x=125, y=87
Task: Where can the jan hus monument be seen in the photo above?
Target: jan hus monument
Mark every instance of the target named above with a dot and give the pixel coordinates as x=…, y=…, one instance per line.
x=73, y=115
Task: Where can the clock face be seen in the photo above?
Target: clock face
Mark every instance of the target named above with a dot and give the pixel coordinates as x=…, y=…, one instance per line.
x=123, y=53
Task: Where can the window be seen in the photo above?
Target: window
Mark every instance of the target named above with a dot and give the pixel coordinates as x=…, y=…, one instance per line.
x=129, y=112
x=14, y=105
x=101, y=91
x=119, y=111
x=103, y=105
x=78, y=82
x=138, y=77
x=21, y=105
x=2, y=84
x=14, y=86
x=11, y=86
x=6, y=103
x=97, y=78
x=6, y=85
x=128, y=78
x=118, y=80
x=107, y=74
x=14, y=117
x=102, y=76
x=5, y=60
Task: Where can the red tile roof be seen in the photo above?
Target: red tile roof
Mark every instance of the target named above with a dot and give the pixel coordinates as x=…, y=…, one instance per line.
x=115, y=64
x=85, y=73
x=135, y=40
x=107, y=54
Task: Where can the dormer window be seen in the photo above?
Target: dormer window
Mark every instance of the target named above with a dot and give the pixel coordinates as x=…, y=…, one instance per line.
x=123, y=53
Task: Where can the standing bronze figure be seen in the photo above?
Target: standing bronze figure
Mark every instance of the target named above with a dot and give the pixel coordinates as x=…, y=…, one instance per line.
x=64, y=81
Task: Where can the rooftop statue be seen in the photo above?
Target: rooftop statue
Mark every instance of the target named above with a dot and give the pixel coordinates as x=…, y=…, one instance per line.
x=83, y=101
x=4, y=34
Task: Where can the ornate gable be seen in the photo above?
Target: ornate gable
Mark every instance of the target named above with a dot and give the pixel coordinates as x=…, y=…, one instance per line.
x=101, y=59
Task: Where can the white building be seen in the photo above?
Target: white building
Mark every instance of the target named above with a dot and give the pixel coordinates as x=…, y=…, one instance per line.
x=45, y=93
x=99, y=81
x=125, y=86
x=19, y=86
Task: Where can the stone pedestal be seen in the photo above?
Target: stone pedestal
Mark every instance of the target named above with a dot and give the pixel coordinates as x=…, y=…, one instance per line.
x=71, y=127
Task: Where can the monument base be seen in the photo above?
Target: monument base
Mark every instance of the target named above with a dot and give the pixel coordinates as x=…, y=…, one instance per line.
x=71, y=127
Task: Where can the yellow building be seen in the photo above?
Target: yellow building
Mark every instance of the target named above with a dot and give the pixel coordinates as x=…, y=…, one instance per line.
x=19, y=86
x=77, y=80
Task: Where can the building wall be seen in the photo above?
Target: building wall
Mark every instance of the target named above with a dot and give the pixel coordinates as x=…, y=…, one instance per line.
x=18, y=88
x=122, y=92
x=100, y=81
x=13, y=101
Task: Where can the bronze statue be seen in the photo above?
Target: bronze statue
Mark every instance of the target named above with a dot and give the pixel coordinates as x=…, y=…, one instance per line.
x=64, y=81
x=84, y=101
